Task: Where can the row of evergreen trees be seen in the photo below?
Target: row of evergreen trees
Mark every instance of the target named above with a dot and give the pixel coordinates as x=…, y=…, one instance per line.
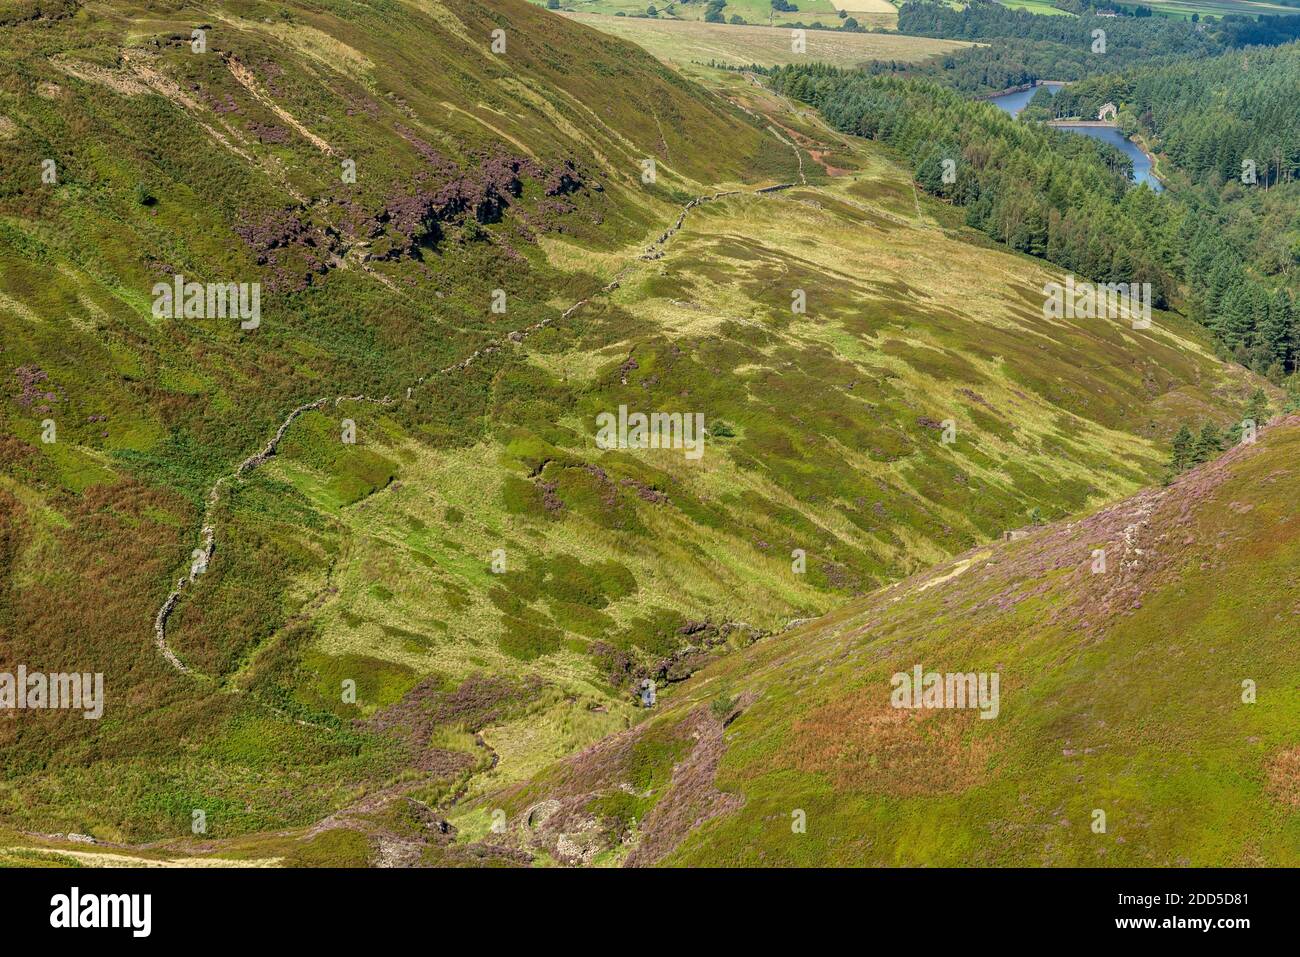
x=1129, y=40
x=1230, y=126
x=1017, y=47
x=1038, y=190
x=1211, y=114
x=1228, y=254
x=1191, y=448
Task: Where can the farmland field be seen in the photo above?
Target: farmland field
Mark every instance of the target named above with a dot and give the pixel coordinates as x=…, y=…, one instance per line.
x=856, y=7
x=1043, y=7
x=1219, y=8
x=682, y=41
x=1173, y=8
x=875, y=13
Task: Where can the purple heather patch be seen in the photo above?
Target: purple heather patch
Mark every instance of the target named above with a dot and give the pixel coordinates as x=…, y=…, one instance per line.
x=32, y=386
x=269, y=132
x=288, y=241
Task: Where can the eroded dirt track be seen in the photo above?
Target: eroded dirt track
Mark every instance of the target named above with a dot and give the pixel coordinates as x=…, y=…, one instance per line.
x=206, y=545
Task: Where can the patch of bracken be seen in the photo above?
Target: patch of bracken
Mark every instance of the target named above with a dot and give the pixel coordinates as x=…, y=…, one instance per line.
x=479, y=701
x=1284, y=777
x=20, y=461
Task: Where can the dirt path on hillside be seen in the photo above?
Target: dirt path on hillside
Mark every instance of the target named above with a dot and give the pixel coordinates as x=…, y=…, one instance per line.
x=206, y=546
x=396, y=849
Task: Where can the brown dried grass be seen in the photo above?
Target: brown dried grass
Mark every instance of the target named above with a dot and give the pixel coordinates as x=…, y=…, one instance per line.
x=864, y=745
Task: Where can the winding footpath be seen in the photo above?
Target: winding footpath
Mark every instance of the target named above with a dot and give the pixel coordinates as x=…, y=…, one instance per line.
x=207, y=543
x=394, y=849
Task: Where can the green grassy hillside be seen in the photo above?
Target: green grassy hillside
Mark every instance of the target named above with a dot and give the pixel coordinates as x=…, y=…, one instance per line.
x=490, y=584
x=1147, y=713
x=228, y=165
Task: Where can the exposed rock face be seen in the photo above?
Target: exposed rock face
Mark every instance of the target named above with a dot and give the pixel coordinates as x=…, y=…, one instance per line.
x=567, y=823
x=285, y=241
x=444, y=196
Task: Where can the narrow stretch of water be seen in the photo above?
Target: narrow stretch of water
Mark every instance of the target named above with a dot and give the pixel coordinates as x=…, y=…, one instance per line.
x=1013, y=103
x=1108, y=134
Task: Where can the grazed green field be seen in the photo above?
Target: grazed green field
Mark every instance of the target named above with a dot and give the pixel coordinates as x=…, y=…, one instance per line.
x=1220, y=8
x=1043, y=7
x=685, y=41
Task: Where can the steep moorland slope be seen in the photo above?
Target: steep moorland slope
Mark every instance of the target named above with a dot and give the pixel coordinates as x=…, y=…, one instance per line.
x=231, y=165
x=472, y=589
x=1147, y=713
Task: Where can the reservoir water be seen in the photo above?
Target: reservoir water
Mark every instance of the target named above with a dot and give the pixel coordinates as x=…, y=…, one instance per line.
x=1013, y=103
